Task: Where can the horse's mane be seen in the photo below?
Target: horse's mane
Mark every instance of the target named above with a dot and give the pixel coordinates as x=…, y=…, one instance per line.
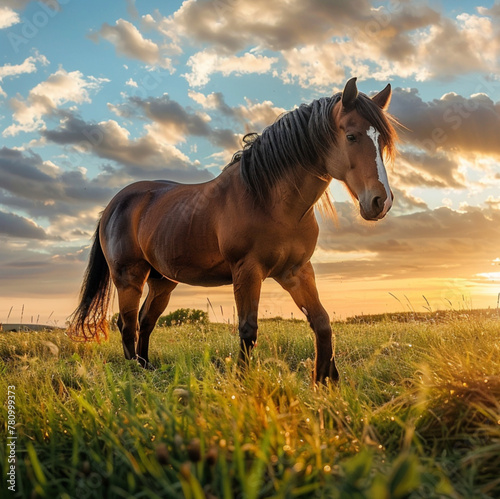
x=300, y=139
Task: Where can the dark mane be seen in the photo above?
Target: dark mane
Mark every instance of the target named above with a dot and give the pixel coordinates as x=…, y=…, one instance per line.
x=300, y=139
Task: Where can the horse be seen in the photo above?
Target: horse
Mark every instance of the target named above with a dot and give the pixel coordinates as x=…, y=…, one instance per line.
x=255, y=220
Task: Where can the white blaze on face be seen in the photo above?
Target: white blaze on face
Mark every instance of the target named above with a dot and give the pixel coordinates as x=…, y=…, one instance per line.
x=382, y=174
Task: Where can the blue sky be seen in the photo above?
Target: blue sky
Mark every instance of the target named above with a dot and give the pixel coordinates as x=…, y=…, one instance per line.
x=95, y=95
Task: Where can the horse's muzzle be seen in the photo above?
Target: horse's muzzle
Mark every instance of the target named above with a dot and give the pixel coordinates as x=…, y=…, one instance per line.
x=373, y=208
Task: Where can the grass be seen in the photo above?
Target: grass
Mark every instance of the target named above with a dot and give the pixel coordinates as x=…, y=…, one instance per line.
x=417, y=414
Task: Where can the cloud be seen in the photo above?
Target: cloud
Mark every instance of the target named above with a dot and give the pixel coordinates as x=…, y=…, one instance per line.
x=52, y=271
x=129, y=42
x=493, y=202
x=453, y=122
x=14, y=70
x=234, y=25
x=44, y=190
x=398, y=44
x=315, y=66
x=425, y=170
x=27, y=66
x=425, y=244
x=254, y=115
x=318, y=42
x=406, y=202
x=16, y=226
x=176, y=122
x=203, y=64
x=494, y=11
x=215, y=100
x=257, y=115
x=45, y=98
x=148, y=156
x=443, y=136
x=313, y=43
x=173, y=123
x=8, y=17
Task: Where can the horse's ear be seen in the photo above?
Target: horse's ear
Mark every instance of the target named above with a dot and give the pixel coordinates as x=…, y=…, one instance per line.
x=383, y=98
x=350, y=93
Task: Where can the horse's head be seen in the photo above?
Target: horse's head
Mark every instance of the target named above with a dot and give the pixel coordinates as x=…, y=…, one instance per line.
x=364, y=138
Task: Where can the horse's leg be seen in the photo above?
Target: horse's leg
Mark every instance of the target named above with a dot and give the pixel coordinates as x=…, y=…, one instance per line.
x=247, y=282
x=155, y=303
x=129, y=281
x=301, y=285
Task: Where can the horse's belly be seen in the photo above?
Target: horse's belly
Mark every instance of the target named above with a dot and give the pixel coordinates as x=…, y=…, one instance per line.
x=207, y=280
x=195, y=275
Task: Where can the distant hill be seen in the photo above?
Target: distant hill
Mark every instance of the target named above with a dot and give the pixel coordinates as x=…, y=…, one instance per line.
x=6, y=328
x=437, y=316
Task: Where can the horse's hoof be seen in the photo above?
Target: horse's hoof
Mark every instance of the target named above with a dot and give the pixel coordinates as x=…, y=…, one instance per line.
x=144, y=363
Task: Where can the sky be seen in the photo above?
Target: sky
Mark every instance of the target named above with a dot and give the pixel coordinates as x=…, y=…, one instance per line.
x=96, y=95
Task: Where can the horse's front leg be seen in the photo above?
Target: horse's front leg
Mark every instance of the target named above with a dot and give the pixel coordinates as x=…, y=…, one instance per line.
x=301, y=285
x=247, y=282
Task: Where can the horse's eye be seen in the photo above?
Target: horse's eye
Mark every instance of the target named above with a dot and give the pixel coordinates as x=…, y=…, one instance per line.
x=351, y=138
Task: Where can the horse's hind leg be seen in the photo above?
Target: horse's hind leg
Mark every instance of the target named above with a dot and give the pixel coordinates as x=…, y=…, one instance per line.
x=129, y=281
x=157, y=300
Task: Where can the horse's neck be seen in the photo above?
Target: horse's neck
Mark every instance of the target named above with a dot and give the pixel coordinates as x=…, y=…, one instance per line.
x=292, y=199
x=299, y=197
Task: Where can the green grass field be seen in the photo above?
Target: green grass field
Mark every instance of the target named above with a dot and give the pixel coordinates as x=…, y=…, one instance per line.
x=417, y=414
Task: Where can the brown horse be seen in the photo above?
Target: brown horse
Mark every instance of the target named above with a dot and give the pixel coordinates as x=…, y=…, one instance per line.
x=255, y=220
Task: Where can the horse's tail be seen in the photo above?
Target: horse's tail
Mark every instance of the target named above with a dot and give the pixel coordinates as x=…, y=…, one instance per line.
x=88, y=322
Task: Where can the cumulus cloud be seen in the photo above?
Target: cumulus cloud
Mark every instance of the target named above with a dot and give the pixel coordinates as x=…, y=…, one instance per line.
x=46, y=191
x=173, y=123
x=177, y=122
x=215, y=100
x=401, y=44
x=318, y=41
x=257, y=115
x=148, y=156
x=315, y=65
x=494, y=11
x=27, y=66
x=16, y=226
x=45, y=98
x=280, y=25
x=129, y=42
x=312, y=42
x=442, y=134
x=468, y=44
x=254, y=115
x=8, y=17
x=14, y=70
x=453, y=122
x=203, y=64
x=420, y=169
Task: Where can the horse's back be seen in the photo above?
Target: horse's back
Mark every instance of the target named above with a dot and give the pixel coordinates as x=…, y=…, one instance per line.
x=138, y=189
